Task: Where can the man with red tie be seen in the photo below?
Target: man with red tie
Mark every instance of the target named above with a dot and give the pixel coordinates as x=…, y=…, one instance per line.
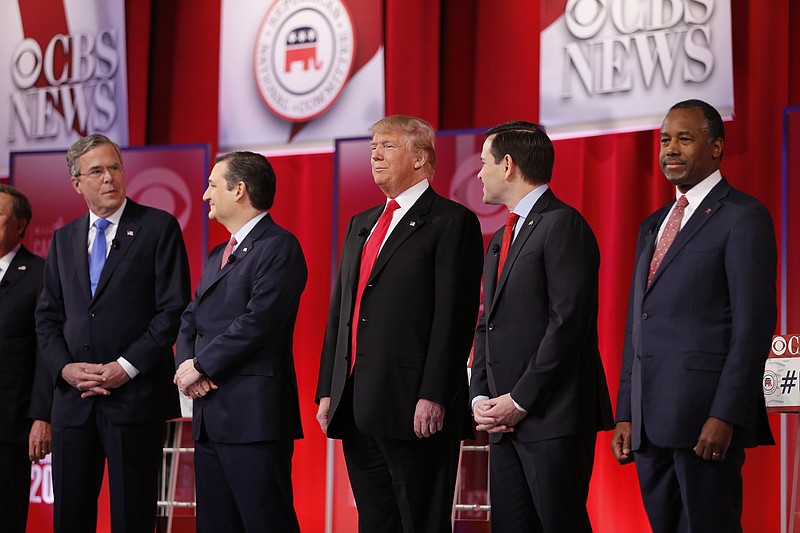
x=701, y=316
x=538, y=385
x=392, y=382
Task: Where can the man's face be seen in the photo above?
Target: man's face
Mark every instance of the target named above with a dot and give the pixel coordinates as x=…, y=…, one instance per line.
x=686, y=156
x=10, y=228
x=394, y=164
x=221, y=201
x=492, y=175
x=102, y=180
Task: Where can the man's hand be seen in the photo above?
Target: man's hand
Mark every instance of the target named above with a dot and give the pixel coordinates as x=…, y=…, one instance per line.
x=497, y=415
x=200, y=388
x=715, y=438
x=186, y=376
x=322, y=413
x=621, y=443
x=40, y=440
x=428, y=418
x=86, y=377
x=114, y=376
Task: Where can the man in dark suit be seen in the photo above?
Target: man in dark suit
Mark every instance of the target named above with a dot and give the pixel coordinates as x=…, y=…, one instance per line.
x=116, y=283
x=235, y=357
x=538, y=385
x=24, y=392
x=394, y=388
x=701, y=316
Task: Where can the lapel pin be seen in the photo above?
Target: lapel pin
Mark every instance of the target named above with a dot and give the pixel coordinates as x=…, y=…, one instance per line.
x=22, y=267
x=130, y=233
x=244, y=249
x=412, y=223
x=530, y=223
x=708, y=211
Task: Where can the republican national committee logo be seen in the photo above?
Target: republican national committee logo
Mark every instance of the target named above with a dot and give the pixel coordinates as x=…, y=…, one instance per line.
x=304, y=53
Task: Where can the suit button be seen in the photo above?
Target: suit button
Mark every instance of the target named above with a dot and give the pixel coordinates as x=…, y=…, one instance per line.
x=638, y=357
x=86, y=347
x=91, y=315
x=644, y=316
x=491, y=327
x=370, y=284
x=199, y=333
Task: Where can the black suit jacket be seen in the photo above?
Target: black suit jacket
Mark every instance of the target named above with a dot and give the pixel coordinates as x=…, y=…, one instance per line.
x=697, y=338
x=135, y=313
x=537, y=335
x=418, y=313
x=19, y=398
x=240, y=327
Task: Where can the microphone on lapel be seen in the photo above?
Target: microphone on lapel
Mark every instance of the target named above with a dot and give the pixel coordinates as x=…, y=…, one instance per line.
x=363, y=232
x=231, y=259
x=653, y=229
x=496, y=249
x=114, y=244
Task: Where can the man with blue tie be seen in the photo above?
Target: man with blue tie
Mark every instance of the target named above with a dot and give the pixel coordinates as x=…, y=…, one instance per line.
x=235, y=357
x=116, y=283
x=701, y=316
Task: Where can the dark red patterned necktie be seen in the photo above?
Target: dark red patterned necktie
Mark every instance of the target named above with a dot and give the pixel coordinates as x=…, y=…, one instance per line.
x=670, y=232
x=508, y=236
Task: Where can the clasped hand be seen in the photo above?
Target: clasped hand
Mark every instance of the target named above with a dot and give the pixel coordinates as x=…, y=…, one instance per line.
x=95, y=379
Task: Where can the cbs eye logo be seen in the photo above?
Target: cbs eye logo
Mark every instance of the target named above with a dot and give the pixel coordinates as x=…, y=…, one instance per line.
x=788, y=345
x=165, y=189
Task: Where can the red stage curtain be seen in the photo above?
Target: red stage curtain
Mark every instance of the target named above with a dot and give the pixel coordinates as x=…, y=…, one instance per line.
x=471, y=64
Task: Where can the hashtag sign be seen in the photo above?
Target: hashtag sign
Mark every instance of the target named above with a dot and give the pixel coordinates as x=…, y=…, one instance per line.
x=788, y=382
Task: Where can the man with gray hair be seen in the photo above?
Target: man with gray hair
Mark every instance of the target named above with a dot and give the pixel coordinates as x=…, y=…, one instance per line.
x=116, y=283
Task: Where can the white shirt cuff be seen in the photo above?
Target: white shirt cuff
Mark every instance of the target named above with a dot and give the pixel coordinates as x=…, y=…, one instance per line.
x=129, y=369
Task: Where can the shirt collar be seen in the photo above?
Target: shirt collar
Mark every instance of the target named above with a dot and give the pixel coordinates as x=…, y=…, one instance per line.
x=697, y=194
x=409, y=197
x=529, y=200
x=113, y=218
x=241, y=235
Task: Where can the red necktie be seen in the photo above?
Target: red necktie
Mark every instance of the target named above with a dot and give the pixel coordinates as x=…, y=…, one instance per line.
x=670, y=232
x=226, y=253
x=368, y=256
x=508, y=236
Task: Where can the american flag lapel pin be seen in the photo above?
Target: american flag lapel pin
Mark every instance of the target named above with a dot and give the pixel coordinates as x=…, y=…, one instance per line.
x=412, y=223
x=244, y=249
x=130, y=233
x=22, y=267
x=708, y=211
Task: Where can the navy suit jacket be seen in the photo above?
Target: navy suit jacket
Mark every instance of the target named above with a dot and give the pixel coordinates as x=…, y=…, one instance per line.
x=135, y=312
x=696, y=340
x=537, y=335
x=20, y=399
x=240, y=327
x=418, y=314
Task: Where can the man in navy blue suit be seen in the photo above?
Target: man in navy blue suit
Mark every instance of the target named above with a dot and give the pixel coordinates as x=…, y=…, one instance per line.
x=116, y=282
x=700, y=321
x=235, y=357
x=24, y=399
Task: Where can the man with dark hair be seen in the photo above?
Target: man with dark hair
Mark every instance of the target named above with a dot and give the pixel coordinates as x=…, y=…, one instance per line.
x=116, y=282
x=235, y=357
x=393, y=373
x=701, y=316
x=538, y=385
x=25, y=394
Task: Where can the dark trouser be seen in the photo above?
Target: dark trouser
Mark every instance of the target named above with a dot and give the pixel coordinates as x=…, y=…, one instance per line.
x=685, y=493
x=541, y=486
x=15, y=483
x=244, y=487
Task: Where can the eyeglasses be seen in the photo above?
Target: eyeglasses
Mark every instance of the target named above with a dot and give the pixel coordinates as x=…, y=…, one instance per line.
x=97, y=173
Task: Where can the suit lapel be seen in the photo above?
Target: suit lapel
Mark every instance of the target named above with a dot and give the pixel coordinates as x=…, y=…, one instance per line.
x=528, y=225
x=213, y=273
x=410, y=223
x=80, y=254
x=354, y=246
x=702, y=214
x=127, y=232
x=16, y=271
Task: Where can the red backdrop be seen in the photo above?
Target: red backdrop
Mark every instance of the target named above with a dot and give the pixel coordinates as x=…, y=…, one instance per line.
x=472, y=64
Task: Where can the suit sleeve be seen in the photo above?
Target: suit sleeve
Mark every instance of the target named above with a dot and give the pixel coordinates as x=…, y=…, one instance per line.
x=42, y=393
x=50, y=315
x=459, y=259
x=331, y=338
x=750, y=268
x=479, y=384
x=571, y=262
x=172, y=293
x=279, y=281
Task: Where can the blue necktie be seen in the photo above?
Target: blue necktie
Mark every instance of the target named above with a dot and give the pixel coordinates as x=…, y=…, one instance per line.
x=97, y=258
